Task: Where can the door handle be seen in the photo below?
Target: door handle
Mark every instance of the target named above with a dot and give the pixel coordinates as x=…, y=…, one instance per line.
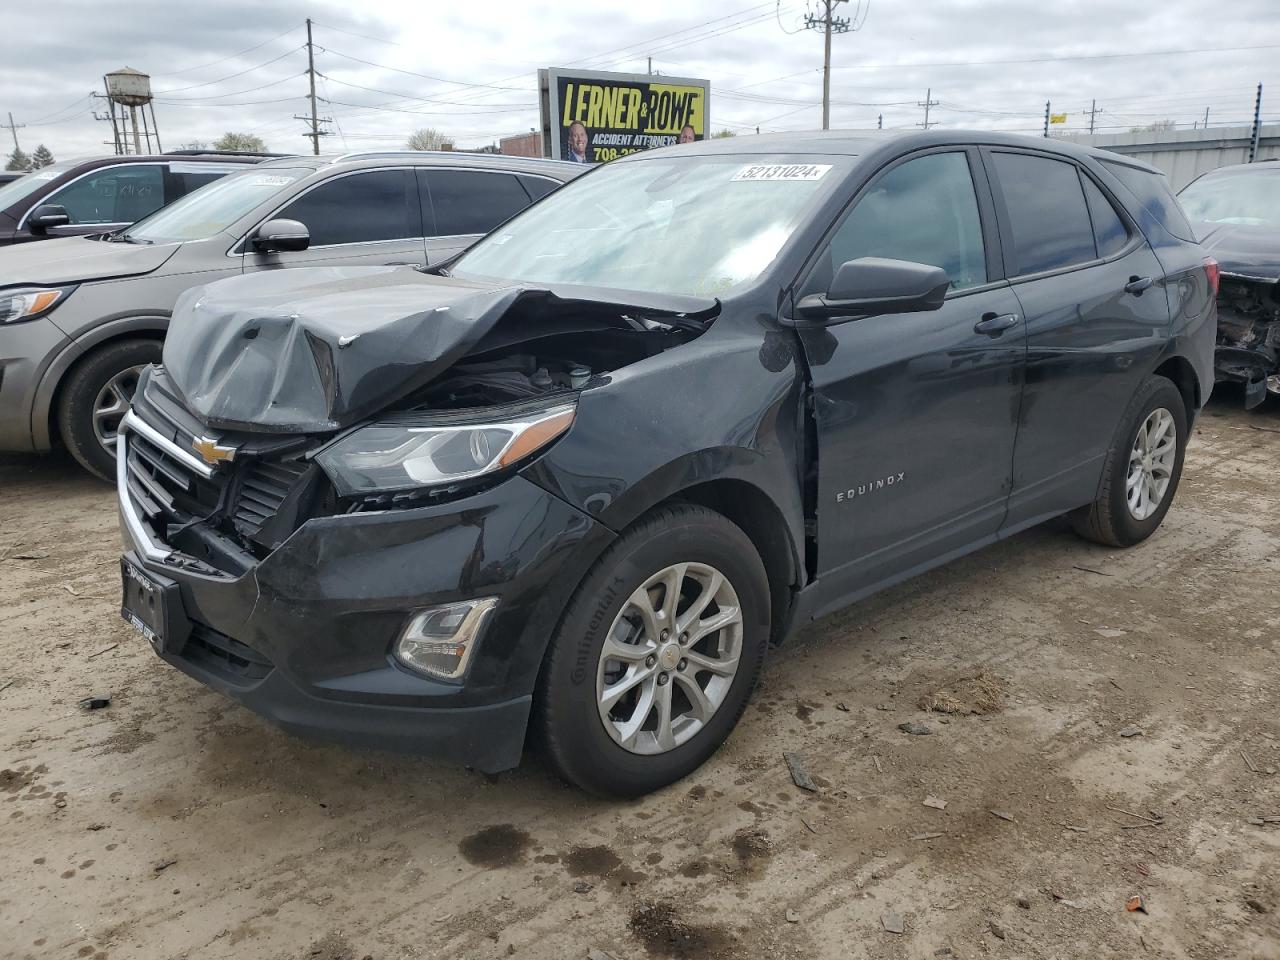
x=994, y=325
x=1137, y=284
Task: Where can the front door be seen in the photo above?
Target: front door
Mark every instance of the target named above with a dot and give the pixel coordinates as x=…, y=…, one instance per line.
x=916, y=413
x=367, y=218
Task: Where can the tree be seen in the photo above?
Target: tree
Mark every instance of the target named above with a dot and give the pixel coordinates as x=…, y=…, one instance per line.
x=240, y=141
x=194, y=145
x=428, y=138
x=1158, y=126
x=18, y=161
x=722, y=133
x=41, y=158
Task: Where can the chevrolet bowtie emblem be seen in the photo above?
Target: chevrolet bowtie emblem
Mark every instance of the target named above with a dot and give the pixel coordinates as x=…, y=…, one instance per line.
x=212, y=451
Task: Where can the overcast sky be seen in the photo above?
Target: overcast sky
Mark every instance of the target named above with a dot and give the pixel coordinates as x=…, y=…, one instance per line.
x=470, y=69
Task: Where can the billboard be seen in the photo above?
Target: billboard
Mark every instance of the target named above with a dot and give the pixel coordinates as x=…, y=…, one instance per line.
x=593, y=117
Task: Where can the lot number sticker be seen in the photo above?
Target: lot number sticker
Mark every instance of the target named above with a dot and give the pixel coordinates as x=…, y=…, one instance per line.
x=783, y=171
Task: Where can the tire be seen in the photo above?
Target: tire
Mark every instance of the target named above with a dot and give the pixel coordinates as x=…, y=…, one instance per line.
x=91, y=400
x=1110, y=519
x=569, y=722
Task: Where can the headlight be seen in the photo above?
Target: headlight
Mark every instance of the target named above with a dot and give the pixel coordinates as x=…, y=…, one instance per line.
x=30, y=303
x=406, y=454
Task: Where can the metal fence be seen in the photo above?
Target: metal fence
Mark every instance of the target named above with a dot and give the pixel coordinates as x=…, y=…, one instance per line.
x=1185, y=154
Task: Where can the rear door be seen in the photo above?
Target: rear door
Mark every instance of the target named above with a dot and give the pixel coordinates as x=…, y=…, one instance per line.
x=915, y=412
x=1096, y=314
x=464, y=205
x=365, y=218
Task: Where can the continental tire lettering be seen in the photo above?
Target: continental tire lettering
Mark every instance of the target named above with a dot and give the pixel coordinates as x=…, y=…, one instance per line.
x=582, y=661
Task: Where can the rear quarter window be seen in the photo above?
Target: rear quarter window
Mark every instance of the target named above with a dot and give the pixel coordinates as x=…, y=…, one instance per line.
x=1153, y=192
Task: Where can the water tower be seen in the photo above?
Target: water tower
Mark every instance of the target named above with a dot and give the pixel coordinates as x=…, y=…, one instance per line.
x=130, y=90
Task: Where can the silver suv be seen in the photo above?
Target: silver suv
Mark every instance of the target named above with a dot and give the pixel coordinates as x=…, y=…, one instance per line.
x=80, y=317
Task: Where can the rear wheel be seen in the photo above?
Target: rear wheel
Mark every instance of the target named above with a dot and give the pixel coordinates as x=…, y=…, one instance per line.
x=657, y=654
x=1142, y=469
x=96, y=397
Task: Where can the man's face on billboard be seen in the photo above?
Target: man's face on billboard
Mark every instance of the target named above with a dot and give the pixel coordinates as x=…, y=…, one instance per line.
x=578, y=139
x=686, y=135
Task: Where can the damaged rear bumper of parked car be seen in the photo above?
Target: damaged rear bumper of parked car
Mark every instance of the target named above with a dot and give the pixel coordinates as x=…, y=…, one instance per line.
x=1248, y=349
x=308, y=636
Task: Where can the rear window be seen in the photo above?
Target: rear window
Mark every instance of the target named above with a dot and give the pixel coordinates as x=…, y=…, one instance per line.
x=472, y=201
x=1047, y=212
x=1156, y=197
x=1108, y=229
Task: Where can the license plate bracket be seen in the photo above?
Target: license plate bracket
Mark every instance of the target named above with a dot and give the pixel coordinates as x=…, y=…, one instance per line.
x=152, y=604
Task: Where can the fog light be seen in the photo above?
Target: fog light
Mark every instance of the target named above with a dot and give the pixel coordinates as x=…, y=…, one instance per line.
x=439, y=641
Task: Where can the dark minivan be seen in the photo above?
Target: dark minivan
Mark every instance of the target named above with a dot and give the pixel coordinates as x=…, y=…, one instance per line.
x=77, y=198
x=576, y=481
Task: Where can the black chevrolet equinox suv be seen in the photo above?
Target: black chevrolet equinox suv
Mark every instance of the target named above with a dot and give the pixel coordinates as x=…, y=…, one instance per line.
x=574, y=482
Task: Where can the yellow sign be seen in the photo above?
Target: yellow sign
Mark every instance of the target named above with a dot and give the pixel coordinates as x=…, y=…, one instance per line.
x=1057, y=118
x=596, y=117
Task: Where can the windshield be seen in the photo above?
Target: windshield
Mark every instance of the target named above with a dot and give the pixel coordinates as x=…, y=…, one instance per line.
x=212, y=208
x=697, y=226
x=23, y=187
x=1247, y=197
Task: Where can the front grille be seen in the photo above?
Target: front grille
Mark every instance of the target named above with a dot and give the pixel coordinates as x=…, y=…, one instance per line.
x=218, y=653
x=264, y=487
x=162, y=486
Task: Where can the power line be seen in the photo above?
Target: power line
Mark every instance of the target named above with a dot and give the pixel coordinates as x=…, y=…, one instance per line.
x=412, y=98
x=907, y=65
x=211, y=63
x=231, y=76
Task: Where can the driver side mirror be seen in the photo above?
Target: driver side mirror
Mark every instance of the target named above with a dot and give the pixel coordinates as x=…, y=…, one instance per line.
x=48, y=215
x=874, y=285
x=277, y=236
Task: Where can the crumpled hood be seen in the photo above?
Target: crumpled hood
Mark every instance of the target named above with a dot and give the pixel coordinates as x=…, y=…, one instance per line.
x=317, y=349
x=78, y=260
x=1242, y=249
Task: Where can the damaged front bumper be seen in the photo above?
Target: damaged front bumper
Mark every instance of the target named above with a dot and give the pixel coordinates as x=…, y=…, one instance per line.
x=305, y=636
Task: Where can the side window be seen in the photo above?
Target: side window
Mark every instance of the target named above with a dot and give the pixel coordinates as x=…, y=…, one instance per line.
x=925, y=211
x=473, y=201
x=1047, y=212
x=538, y=187
x=1109, y=232
x=186, y=177
x=359, y=208
x=114, y=194
x=1153, y=192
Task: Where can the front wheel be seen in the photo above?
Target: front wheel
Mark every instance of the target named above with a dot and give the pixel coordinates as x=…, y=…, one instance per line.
x=96, y=397
x=1142, y=468
x=656, y=655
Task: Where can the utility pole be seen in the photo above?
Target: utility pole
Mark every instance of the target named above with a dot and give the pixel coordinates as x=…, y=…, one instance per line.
x=315, y=121
x=1093, y=109
x=927, y=102
x=828, y=25
x=13, y=128
x=1206, y=118
x=1253, y=141
x=651, y=66
x=1046, y=119
x=880, y=122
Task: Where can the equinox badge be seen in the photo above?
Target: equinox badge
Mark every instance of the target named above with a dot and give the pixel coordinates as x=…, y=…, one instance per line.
x=212, y=451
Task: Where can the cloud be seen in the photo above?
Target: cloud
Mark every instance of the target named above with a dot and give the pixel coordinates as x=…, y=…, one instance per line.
x=764, y=68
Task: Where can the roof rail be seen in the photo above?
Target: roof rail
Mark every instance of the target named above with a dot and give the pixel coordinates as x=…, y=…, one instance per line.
x=223, y=153
x=448, y=154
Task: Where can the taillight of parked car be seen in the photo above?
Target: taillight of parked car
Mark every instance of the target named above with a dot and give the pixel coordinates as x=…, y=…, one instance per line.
x=1213, y=272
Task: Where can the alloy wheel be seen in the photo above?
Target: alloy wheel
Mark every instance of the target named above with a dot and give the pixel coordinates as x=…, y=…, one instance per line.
x=1151, y=461
x=111, y=404
x=669, y=659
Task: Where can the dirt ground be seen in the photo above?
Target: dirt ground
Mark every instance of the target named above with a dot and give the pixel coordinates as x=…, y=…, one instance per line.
x=175, y=824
